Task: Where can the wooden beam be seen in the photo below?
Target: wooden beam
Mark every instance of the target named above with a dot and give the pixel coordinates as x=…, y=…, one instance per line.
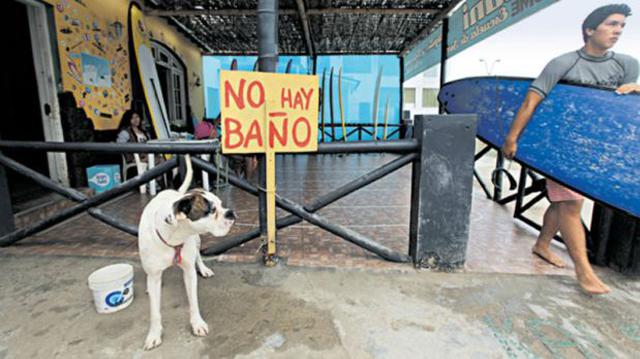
x=203, y=45
x=309, y=12
x=305, y=27
x=370, y=11
x=424, y=32
x=330, y=52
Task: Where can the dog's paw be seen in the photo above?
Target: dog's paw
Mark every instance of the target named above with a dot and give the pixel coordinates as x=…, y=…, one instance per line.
x=200, y=328
x=154, y=339
x=206, y=272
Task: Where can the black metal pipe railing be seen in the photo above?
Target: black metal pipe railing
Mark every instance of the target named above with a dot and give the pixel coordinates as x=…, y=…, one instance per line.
x=341, y=231
x=363, y=125
x=316, y=205
x=90, y=202
x=319, y=221
x=68, y=193
x=299, y=212
x=368, y=146
x=41, y=179
x=103, y=147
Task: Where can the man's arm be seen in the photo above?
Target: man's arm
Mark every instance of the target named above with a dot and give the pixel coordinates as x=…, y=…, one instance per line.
x=528, y=107
x=630, y=81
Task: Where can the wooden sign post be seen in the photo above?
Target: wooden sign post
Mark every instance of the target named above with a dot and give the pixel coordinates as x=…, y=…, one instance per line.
x=268, y=113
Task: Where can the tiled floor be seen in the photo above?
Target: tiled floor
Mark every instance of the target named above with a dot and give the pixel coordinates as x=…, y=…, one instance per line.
x=380, y=211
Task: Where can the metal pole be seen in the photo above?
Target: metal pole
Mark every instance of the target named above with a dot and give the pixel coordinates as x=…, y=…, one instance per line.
x=268, y=35
x=522, y=185
x=6, y=212
x=268, y=61
x=414, y=212
x=401, y=101
x=315, y=64
x=497, y=186
x=444, y=54
x=404, y=146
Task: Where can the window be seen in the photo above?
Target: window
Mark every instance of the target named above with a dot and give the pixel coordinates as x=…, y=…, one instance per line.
x=429, y=98
x=171, y=72
x=409, y=96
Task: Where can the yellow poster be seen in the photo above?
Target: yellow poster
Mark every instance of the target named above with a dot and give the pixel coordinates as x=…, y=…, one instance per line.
x=267, y=112
x=94, y=61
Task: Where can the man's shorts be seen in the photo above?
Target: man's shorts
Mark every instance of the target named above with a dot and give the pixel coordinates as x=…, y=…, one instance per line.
x=559, y=193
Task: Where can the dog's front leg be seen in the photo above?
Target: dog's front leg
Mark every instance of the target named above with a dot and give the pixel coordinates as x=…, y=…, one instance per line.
x=154, y=337
x=199, y=326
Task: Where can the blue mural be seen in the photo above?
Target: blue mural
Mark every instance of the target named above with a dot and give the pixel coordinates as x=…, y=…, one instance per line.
x=369, y=84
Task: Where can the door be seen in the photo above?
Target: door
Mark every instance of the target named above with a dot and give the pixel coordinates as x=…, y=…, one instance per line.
x=21, y=120
x=43, y=63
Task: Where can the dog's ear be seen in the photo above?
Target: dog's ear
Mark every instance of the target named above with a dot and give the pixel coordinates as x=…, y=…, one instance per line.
x=193, y=207
x=182, y=208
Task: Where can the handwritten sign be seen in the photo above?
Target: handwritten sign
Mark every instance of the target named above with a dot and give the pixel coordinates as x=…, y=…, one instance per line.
x=268, y=112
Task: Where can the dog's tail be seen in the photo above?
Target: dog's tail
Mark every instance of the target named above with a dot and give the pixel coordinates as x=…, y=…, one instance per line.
x=187, y=179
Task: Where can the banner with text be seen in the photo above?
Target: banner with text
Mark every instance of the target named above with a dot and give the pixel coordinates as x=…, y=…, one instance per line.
x=268, y=112
x=473, y=22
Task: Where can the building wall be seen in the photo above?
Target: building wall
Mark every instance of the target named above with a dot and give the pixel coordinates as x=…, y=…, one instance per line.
x=425, y=81
x=189, y=53
x=93, y=38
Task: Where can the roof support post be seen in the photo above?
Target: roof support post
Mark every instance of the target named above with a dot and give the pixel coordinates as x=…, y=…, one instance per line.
x=305, y=27
x=7, y=224
x=401, y=99
x=267, y=62
x=444, y=54
x=267, y=35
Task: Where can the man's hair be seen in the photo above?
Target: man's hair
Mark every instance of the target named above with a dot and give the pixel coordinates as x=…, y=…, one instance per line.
x=600, y=14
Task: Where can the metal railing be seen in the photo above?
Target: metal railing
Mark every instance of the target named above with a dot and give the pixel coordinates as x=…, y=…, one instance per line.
x=411, y=152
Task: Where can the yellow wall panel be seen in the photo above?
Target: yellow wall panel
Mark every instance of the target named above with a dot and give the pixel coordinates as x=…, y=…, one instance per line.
x=93, y=40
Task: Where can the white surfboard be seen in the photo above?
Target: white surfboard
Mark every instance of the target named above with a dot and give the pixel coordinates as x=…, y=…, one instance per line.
x=149, y=76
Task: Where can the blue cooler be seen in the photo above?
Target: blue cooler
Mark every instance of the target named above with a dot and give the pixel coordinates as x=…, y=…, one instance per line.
x=103, y=177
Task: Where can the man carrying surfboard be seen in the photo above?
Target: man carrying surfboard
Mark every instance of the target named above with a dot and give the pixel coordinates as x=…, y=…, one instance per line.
x=593, y=64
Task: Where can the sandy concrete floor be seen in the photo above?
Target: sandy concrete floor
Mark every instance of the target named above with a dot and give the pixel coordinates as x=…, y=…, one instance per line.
x=284, y=312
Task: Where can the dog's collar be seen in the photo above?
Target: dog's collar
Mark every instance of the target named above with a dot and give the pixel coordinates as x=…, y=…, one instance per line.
x=177, y=255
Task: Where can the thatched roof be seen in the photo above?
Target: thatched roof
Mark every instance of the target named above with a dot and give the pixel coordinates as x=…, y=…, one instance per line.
x=306, y=26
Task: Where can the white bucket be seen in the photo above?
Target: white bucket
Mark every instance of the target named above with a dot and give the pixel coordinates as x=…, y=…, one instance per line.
x=112, y=287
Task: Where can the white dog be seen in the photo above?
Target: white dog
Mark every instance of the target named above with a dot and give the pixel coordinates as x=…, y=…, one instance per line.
x=169, y=235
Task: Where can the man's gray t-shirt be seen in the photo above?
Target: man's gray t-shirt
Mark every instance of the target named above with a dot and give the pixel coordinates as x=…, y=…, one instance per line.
x=611, y=70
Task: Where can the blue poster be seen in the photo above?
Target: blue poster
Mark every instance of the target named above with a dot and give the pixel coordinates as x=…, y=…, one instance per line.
x=95, y=71
x=473, y=22
x=425, y=54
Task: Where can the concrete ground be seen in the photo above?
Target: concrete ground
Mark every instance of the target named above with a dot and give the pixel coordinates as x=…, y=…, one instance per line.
x=284, y=312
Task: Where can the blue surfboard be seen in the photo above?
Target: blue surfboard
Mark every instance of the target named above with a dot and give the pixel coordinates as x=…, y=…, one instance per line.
x=587, y=138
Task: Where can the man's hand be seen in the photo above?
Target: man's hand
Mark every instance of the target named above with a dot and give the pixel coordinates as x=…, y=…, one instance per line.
x=510, y=147
x=628, y=88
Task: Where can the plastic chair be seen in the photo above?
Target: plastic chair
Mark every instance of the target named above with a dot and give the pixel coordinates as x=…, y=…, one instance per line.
x=139, y=165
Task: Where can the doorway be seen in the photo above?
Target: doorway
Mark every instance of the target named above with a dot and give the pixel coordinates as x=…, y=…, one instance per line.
x=30, y=102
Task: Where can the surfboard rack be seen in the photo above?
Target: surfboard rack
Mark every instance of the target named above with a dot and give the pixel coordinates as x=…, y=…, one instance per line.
x=522, y=205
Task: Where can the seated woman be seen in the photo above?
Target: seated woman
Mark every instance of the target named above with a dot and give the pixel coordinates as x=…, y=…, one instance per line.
x=131, y=131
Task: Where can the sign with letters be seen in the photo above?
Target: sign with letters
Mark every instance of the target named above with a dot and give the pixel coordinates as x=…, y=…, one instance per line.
x=268, y=112
x=471, y=23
